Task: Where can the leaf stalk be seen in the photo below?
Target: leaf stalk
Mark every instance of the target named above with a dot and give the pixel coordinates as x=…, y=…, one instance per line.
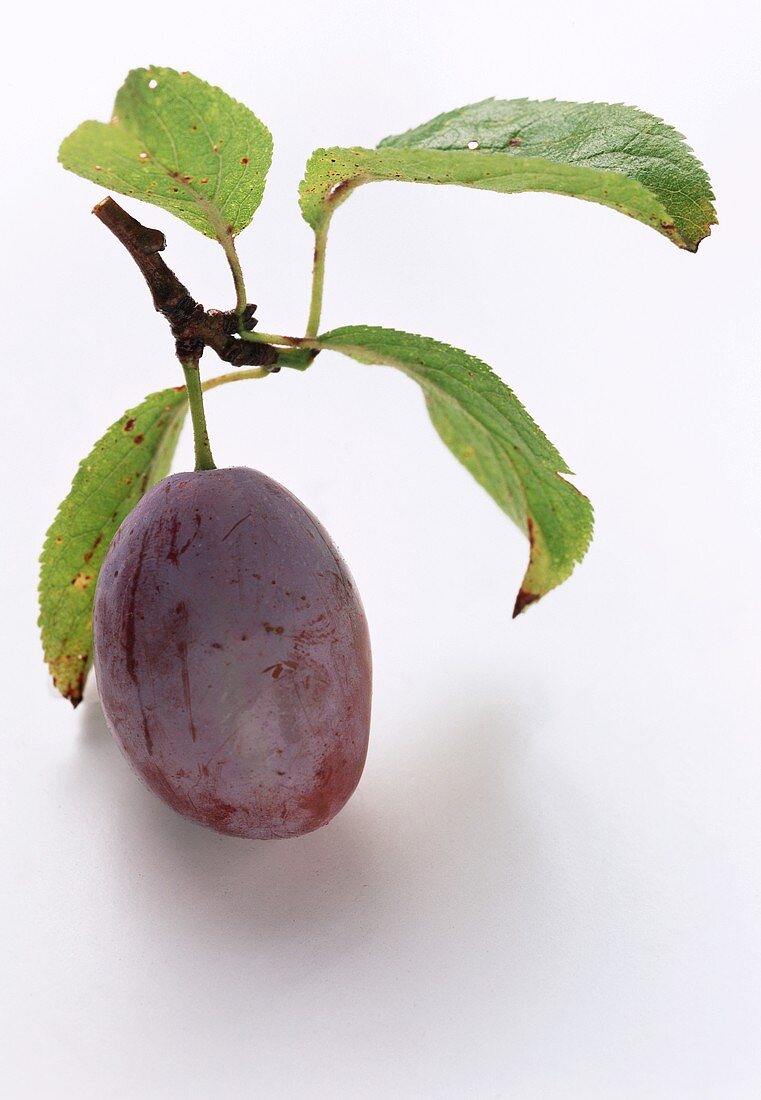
x=228, y=244
x=318, y=280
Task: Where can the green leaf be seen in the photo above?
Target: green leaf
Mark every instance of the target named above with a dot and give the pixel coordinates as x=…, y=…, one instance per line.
x=133, y=455
x=181, y=144
x=489, y=431
x=611, y=154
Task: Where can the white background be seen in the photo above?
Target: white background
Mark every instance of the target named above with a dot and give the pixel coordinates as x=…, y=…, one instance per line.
x=547, y=884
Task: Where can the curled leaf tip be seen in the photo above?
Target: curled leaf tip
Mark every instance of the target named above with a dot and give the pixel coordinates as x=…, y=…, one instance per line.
x=523, y=599
x=73, y=689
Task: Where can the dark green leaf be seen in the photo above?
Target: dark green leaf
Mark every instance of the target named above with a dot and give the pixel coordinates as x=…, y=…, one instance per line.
x=618, y=156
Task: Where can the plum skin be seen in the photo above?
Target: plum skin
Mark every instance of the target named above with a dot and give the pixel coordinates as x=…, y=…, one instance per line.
x=232, y=655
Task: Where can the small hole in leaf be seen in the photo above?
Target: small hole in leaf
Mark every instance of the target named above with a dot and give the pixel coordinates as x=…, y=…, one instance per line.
x=473, y=144
x=143, y=156
x=153, y=84
x=97, y=168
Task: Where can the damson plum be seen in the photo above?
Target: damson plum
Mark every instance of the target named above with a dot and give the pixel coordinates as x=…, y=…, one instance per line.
x=232, y=655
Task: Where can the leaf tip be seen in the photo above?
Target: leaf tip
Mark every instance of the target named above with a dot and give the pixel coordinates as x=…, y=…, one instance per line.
x=73, y=690
x=523, y=600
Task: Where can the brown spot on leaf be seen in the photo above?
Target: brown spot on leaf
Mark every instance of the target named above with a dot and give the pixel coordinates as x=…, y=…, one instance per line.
x=129, y=424
x=81, y=581
x=244, y=160
x=339, y=190
x=94, y=547
x=138, y=439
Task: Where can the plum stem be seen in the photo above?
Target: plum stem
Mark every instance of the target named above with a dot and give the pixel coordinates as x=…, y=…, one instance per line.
x=204, y=457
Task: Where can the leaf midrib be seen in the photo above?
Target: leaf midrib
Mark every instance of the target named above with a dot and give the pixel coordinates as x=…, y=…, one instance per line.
x=221, y=227
x=527, y=166
x=452, y=402
x=517, y=439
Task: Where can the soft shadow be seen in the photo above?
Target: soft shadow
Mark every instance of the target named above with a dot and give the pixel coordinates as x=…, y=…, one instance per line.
x=411, y=840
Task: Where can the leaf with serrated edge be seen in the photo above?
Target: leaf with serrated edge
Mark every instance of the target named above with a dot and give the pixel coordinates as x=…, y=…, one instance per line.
x=489, y=431
x=610, y=154
x=181, y=144
x=133, y=455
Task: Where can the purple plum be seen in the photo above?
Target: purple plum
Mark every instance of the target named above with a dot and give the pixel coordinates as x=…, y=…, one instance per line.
x=232, y=655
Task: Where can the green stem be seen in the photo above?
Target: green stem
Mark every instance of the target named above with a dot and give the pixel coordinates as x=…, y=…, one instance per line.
x=204, y=459
x=234, y=376
x=228, y=244
x=318, y=279
x=271, y=338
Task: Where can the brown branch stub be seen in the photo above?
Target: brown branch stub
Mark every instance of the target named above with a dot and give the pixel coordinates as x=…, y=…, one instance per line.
x=193, y=327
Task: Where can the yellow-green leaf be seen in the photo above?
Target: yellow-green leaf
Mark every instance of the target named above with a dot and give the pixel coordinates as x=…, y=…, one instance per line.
x=177, y=142
x=489, y=431
x=133, y=455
